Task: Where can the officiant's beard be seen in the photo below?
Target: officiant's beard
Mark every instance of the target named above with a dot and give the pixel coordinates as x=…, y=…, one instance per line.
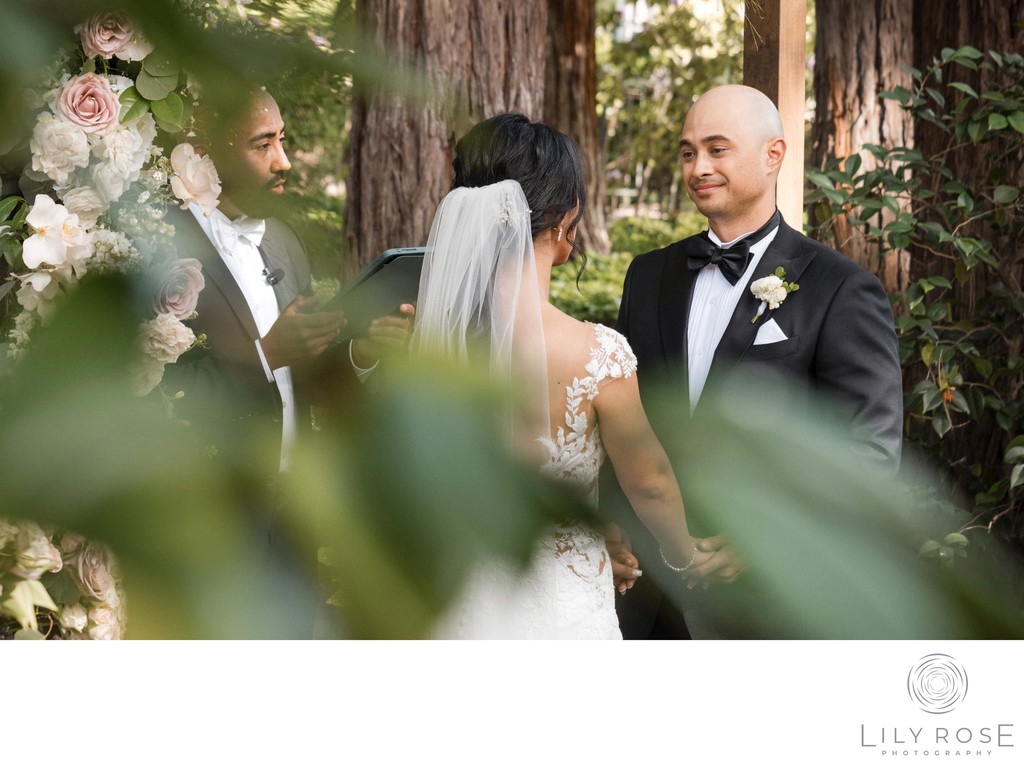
x=261, y=202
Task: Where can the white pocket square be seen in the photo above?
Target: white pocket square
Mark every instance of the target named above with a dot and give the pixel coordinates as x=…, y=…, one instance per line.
x=769, y=332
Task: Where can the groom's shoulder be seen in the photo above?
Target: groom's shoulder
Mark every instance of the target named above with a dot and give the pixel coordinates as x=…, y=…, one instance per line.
x=826, y=258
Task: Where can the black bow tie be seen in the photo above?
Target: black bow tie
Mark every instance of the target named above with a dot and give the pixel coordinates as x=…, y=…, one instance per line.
x=732, y=261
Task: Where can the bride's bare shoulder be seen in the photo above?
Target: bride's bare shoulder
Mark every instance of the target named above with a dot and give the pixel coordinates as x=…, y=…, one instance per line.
x=564, y=328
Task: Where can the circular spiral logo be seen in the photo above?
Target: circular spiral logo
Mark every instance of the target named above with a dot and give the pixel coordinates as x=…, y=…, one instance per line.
x=937, y=683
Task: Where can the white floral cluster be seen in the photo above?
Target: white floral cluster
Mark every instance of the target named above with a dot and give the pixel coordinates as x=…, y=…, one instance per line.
x=111, y=181
x=771, y=291
x=35, y=562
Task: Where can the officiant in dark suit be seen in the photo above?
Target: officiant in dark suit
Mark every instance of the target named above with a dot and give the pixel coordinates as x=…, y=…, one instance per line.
x=267, y=355
x=688, y=310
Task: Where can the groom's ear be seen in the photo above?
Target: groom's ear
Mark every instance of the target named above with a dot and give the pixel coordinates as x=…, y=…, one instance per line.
x=776, y=153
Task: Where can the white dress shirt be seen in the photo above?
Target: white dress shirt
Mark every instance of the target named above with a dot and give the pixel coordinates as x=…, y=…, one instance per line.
x=237, y=243
x=711, y=307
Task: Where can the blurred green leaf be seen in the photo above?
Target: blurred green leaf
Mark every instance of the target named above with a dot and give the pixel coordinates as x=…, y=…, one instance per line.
x=1005, y=194
x=134, y=105
x=154, y=88
x=169, y=111
x=825, y=530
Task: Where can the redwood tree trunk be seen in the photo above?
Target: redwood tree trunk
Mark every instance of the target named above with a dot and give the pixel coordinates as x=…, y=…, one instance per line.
x=570, y=99
x=859, y=49
x=986, y=25
x=484, y=57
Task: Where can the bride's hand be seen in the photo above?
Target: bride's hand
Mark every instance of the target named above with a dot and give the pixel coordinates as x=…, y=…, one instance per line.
x=625, y=567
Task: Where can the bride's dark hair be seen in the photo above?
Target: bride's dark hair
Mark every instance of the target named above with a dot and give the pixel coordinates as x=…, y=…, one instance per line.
x=545, y=162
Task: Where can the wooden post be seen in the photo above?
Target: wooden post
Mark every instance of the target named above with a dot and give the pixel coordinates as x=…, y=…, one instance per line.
x=775, y=62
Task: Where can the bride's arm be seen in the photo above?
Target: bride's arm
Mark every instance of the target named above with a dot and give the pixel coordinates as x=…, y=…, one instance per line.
x=643, y=469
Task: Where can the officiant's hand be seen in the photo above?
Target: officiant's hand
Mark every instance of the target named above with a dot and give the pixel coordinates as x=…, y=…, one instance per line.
x=723, y=565
x=297, y=337
x=387, y=335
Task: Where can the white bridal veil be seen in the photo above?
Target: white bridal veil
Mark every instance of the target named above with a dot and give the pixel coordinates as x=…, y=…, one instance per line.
x=479, y=299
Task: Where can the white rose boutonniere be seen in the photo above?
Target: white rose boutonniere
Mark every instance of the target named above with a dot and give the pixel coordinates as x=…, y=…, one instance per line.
x=771, y=291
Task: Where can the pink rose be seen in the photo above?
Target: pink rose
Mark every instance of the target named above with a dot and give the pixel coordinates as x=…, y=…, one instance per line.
x=179, y=289
x=89, y=102
x=110, y=34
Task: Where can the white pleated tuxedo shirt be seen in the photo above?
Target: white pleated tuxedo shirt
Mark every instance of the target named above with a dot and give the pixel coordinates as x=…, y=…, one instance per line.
x=711, y=307
x=237, y=243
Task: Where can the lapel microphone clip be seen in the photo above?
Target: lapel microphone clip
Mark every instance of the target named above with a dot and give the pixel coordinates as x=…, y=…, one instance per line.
x=273, y=277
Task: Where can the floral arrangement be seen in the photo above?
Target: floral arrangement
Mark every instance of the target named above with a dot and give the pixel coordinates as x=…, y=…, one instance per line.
x=57, y=585
x=103, y=183
x=96, y=147
x=771, y=291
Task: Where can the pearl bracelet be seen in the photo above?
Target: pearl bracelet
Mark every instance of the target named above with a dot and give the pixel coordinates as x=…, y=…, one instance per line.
x=684, y=568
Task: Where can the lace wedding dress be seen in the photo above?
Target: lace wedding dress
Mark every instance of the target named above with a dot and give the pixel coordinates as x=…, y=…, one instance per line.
x=566, y=592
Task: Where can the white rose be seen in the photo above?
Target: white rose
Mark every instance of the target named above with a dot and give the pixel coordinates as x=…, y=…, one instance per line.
x=58, y=147
x=84, y=202
x=764, y=287
x=74, y=617
x=777, y=296
x=110, y=181
x=195, y=179
x=770, y=290
x=124, y=150
x=165, y=338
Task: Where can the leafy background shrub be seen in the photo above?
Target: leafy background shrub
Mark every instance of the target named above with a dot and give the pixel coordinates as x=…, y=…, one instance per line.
x=597, y=297
x=960, y=320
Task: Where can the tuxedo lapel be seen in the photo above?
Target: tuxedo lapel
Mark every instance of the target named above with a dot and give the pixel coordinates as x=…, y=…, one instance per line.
x=276, y=255
x=787, y=251
x=216, y=271
x=674, y=308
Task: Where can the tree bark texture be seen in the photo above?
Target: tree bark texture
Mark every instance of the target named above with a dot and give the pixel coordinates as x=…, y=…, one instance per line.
x=482, y=57
x=860, y=47
x=986, y=25
x=570, y=99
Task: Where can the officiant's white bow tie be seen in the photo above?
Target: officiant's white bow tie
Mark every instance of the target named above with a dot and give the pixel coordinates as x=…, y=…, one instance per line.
x=226, y=232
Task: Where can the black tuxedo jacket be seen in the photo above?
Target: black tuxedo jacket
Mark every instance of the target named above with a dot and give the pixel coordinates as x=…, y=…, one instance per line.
x=839, y=327
x=840, y=341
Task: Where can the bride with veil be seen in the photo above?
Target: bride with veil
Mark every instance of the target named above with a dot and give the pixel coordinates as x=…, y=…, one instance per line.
x=511, y=216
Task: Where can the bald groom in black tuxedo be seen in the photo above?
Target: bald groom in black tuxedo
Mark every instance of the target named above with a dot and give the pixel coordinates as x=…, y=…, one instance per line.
x=687, y=310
